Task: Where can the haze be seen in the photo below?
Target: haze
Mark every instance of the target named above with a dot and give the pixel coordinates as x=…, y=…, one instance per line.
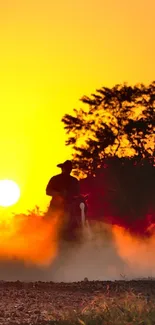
x=52, y=53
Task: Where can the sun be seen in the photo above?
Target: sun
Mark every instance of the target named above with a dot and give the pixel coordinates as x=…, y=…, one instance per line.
x=9, y=193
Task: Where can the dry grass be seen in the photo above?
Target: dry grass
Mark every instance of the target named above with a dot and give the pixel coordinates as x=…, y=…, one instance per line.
x=85, y=303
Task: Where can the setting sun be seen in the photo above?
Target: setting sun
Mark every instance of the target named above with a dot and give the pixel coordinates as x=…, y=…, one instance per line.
x=52, y=54
x=9, y=193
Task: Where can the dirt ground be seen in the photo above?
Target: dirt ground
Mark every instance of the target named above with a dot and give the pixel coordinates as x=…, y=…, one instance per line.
x=40, y=302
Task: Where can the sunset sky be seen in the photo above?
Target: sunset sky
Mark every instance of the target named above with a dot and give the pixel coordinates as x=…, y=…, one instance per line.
x=53, y=53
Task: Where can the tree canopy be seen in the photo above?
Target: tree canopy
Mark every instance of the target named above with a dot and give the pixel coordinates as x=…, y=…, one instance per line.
x=115, y=122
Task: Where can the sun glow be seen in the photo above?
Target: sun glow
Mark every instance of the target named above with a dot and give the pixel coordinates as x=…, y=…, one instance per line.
x=9, y=193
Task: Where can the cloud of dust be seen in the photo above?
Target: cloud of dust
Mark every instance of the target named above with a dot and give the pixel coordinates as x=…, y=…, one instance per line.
x=136, y=251
x=32, y=239
x=112, y=253
x=95, y=258
x=107, y=253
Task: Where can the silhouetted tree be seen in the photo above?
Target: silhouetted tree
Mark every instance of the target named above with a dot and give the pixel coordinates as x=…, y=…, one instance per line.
x=113, y=139
x=117, y=122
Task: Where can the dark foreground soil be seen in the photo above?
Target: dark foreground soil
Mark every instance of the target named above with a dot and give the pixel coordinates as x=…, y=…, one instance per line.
x=44, y=303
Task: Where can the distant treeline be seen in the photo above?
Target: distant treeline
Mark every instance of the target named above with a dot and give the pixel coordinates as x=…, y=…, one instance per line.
x=122, y=192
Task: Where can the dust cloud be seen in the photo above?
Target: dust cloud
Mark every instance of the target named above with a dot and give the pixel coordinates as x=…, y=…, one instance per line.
x=31, y=239
x=30, y=250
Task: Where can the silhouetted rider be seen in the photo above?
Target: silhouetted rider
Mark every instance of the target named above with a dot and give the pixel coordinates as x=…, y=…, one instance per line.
x=63, y=187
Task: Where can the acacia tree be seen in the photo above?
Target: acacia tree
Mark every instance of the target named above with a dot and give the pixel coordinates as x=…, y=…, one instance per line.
x=115, y=122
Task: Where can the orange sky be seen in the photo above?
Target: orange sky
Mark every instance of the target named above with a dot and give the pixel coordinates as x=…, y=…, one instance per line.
x=52, y=53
